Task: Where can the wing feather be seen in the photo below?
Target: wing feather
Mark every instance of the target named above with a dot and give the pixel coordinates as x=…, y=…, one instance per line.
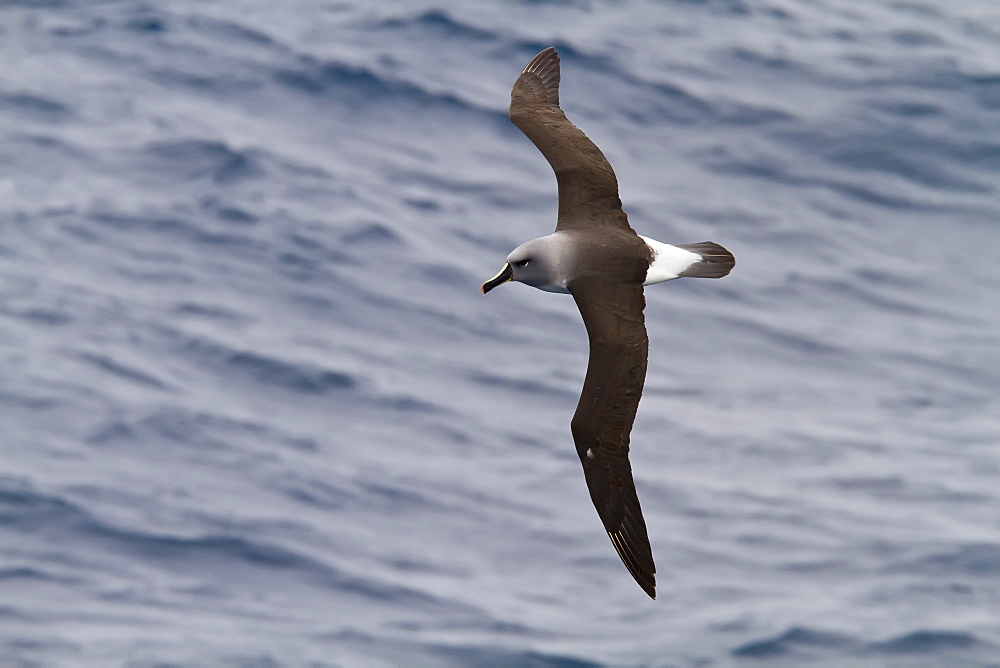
x=588, y=189
x=612, y=312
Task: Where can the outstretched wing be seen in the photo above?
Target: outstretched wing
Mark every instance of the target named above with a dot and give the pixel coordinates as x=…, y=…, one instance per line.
x=612, y=312
x=588, y=189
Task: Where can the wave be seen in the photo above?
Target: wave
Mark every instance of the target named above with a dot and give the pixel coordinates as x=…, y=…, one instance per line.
x=797, y=641
x=193, y=159
x=802, y=643
x=124, y=371
x=359, y=87
x=436, y=24
x=35, y=108
x=204, y=431
x=928, y=643
x=25, y=510
x=970, y=560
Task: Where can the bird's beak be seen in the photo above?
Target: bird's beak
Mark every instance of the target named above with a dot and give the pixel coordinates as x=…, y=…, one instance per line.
x=505, y=275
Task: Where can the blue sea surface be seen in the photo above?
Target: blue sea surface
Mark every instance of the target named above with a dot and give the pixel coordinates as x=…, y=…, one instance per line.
x=255, y=412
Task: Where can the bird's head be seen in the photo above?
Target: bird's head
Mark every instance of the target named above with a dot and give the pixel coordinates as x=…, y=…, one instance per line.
x=535, y=263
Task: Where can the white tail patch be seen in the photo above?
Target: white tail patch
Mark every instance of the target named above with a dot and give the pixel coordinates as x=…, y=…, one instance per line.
x=701, y=260
x=669, y=262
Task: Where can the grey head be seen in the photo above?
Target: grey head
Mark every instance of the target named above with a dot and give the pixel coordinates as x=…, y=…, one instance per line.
x=538, y=263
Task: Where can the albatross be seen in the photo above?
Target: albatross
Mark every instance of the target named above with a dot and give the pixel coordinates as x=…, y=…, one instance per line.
x=598, y=258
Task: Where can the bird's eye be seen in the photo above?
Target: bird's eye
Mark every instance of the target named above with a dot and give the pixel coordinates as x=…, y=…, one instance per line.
x=521, y=263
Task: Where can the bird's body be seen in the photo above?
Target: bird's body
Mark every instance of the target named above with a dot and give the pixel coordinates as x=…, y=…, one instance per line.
x=598, y=258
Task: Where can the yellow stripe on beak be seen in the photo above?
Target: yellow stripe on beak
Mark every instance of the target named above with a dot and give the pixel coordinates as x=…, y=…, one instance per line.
x=505, y=275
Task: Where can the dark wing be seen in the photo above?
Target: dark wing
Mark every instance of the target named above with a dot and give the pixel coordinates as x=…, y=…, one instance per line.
x=588, y=189
x=612, y=312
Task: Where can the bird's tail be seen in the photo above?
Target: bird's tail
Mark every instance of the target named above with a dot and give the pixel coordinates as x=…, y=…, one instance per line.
x=716, y=261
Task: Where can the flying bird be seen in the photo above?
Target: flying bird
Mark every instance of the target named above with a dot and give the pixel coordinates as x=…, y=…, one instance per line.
x=598, y=258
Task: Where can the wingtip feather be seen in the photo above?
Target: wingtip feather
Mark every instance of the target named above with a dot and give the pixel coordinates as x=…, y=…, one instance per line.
x=549, y=54
x=646, y=579
x=544, y=69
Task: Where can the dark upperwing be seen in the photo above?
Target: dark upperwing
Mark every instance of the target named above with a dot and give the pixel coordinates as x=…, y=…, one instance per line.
x=612, y=312
x=588, y=189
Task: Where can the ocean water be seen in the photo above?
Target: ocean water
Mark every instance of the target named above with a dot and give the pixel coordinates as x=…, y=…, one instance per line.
x=255, y=412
